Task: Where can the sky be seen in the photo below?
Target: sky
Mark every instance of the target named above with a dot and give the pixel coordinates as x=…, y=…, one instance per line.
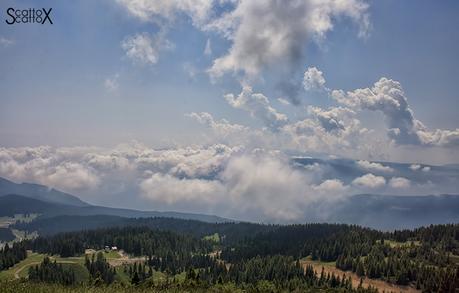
x=199, y=105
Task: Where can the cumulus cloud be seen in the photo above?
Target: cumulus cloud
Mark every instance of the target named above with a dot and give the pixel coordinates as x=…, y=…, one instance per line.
x=332, y=130
x=313, y=79
x=387, y=96
x=334, y=187
x=258, y=106
x=399, y=182
x=264, y=33
x=373, y=166
x=331, y=119
x=142, y=48
x=46, y=166
x=369, y=181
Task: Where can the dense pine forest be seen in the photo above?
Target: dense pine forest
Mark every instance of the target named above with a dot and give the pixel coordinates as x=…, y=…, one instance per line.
x=196, y=256
x=10, y=256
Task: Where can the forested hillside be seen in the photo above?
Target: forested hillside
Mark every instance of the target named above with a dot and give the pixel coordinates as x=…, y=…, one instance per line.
x=203, y=255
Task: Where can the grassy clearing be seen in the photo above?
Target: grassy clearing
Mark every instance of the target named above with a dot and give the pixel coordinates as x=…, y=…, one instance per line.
x=321, y=263
x=22, y=267
x=215, y=238
x=112, y=254
x=393, y=243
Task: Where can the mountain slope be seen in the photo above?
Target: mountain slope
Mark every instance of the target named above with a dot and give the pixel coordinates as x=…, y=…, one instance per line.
x=39, y=192
x=18, y=204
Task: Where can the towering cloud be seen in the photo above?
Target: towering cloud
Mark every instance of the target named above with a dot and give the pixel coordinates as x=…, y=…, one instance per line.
x=386, y=96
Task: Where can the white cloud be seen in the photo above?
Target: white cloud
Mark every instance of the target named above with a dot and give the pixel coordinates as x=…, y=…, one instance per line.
x=46, y=166
x=264, y=33
x=369, y=181
x=252, y=185
x=313, y=79
x=331, y=119
x=415, y=167
x=267, y=186
x=332, y=187
x=399, y=182
x=164, y=188
x=142, y=48
x=373, y=166
x=388, y=97
x=258, y=106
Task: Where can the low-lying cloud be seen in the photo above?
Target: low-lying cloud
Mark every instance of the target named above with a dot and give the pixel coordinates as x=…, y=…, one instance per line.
x=231, y=181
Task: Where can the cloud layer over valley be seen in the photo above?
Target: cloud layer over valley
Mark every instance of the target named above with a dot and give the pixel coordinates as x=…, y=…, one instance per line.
x=235, y=182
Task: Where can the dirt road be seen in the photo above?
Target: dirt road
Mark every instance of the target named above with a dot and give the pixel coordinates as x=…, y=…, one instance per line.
x=19, y=270
x=381, y=285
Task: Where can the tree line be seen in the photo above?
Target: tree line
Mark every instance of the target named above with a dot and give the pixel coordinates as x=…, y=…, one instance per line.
x=9, y=256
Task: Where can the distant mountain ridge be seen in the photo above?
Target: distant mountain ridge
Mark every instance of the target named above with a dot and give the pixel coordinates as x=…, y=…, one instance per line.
x=34, y=198
x=39, y=192
x=384, y=212
x=388, y=212
x=11, y=204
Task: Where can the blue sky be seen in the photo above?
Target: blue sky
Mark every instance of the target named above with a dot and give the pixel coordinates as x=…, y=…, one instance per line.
x=54, y=74
x=114, y=73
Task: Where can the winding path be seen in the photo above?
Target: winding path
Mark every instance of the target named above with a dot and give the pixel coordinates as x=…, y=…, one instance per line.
x=19, y=270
